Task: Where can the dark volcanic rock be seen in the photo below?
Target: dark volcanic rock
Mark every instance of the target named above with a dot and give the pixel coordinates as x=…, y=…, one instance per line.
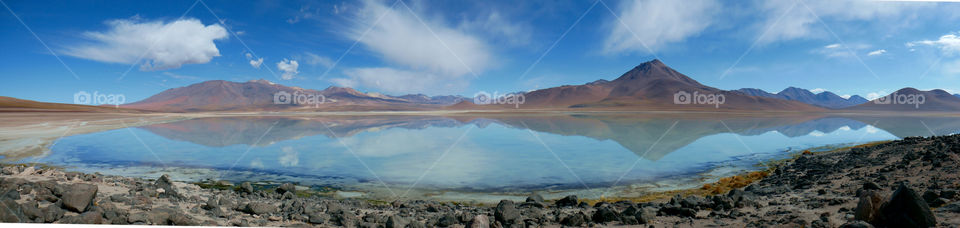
x=568, y=201
x=77, y=197
x=166, y=184
x=506, y=213
x=577, y=219
x=606, y=214
x=907, y=209
x=287, y=187
x=857, y=224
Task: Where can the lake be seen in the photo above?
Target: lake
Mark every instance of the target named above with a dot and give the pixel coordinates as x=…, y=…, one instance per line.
x=474, y=157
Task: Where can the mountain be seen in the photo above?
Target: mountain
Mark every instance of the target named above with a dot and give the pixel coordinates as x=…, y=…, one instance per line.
x=263, y=95
x=910, y=99
x=649, y=86
x=9, y=104
x=824, y=99
x=957, y=95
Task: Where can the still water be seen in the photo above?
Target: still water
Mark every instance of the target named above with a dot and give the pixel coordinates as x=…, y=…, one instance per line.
x=495, y=154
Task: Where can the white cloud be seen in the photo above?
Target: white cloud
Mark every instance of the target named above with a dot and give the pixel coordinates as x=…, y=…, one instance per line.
x=657, y=23
x=789, y=19
x=289, y=158
x=500, y=29
x=256, y=63
x=949, y=44
x=839, y=50
x=394, y=81
x=314, y=59
x=877, y=52
x=163, y=45
x=832, y=46
x=289, y=69
x=846, y=96
x=401, y=38
x=818, y=90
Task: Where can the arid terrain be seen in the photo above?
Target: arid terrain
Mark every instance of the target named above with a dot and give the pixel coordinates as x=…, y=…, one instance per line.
x=904, y=183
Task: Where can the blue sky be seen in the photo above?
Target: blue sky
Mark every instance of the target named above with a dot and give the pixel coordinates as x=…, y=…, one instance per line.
x=140, y=48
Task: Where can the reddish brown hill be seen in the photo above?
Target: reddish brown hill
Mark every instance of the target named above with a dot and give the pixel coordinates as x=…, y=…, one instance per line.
x=9, y=104
x=933, y=100
x=650, y=86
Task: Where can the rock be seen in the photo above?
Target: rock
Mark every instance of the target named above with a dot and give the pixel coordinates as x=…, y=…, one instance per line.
x=447, y=220
x=258, y=208
x=479, y=221
x=948, y=194
x=606, y=214
x=321, y=218
x=953, y=207
x=695, y=202
x=246, y=187
x=907, y=209
x=31, y=210
x=678, y=211
x=77, y=197
x=857, y=224
x=166, y=184
x=138, y=218
x=568, y=201
x=534, y=198
x=52, y=214
x=577, y=219
x=397, y=222
x=868, y=209
x=286, y=187
x=90, y=217
x=721, y=203
x=11, y=212
x=506, y=213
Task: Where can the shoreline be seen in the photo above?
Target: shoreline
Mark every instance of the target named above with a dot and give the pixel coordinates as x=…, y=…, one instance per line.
x=812, y=189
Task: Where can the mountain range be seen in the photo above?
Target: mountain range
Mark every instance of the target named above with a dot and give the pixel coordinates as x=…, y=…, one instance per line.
x=650, y=86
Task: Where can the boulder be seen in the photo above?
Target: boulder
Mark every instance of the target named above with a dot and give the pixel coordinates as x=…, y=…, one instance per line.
x=287, y=187
x=77, y=197
x=479, y=221
x=606, y=214
x=506, y=213
x=397, y=222
x=574, y=220
x=258, y=208
x=166, y=184
x=568, y=201
x=868, y=209
x=907, y=209
x=246, y=187
x=856, y=224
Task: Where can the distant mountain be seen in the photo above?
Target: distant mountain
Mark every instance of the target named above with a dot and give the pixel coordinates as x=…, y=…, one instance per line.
x=9, y=104
x=263, y=95
x=909, y=99
x=957, y=95
x=824, y=99
x=648, y=86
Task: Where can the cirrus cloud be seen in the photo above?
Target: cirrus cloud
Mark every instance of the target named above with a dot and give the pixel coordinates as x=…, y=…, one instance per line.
x=652, y=24
x=159, y=45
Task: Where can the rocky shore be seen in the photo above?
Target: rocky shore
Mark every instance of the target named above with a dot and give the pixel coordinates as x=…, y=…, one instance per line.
x=906, y=183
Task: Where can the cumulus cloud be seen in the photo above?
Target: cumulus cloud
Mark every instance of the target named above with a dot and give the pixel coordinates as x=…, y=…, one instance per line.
x=789, y=19
x=254, y=62
x=162, y=45
x=656, y=23
x=948, y=44
x=877, y=52
x=390, y=80
x=288, y=69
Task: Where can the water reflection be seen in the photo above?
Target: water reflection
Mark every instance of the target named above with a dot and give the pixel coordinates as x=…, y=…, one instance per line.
x=471, y=153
